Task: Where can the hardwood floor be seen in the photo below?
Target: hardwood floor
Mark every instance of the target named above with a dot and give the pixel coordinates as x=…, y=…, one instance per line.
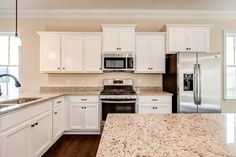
x=74, y=146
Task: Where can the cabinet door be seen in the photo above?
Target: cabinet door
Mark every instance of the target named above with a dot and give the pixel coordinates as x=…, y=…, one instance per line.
x=76, y=116
x=198, y=40
x=163, y=108
x=177, y=40
x=72, y=57
x=146, y=108
x=41, y=133
x=157, y=56
x=91, y=116
x=142, y=54
x=17, y=141
x=93, y=54
x=110, y=39
x=58, y=121
x=126, y=40
x=50, y=53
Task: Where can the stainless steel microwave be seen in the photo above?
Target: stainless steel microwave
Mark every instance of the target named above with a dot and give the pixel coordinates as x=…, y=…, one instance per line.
x=118, y=62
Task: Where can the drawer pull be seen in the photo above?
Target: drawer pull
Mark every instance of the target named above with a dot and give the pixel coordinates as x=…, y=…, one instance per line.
x=58, y=102
x=84, y=99
x=154, y=99
x=32, y=125
x=55, y=112
x=36, y=123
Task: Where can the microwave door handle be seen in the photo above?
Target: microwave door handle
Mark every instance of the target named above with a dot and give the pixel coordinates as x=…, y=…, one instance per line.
x=118, y=102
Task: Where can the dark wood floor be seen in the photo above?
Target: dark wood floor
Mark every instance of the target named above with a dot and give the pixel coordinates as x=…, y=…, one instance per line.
x=74, y=146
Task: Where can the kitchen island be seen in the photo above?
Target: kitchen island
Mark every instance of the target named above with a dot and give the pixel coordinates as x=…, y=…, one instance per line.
x=182, y=135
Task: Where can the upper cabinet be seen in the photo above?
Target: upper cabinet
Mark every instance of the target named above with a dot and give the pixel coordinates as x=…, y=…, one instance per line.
x=70, y=52
x=187, y=38
x=150, y=53
x=118, y=38
x=50, y=53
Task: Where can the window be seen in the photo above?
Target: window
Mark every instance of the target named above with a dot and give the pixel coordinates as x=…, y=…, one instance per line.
x=230, y=65
x=9, y=63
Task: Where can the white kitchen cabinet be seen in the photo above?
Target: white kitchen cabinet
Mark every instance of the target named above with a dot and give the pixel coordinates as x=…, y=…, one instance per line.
x=41, y=133
x=155, y=104
x=50, y=53
x=72, y=53
x=76, y=116
x=93, y=54
x=91, y=116
x=84, y=113
x=27, y=132
x=118, y=38
x=187, y=38
x=58, y=121
x=16, y=142
x=150, y=53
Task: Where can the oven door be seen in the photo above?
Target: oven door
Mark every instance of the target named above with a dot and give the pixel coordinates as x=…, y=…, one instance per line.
x=117, y=106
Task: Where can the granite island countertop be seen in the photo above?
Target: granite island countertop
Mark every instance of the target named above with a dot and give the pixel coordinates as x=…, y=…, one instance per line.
x=168, y=135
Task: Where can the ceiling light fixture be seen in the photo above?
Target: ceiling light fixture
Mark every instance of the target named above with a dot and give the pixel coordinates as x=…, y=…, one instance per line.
x=17, y=39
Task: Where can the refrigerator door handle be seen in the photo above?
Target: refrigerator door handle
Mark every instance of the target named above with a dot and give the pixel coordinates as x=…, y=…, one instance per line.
x=195, y=84
x=199, y=85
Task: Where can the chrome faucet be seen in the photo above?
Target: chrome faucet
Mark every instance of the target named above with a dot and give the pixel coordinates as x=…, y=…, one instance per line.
x=17, y=83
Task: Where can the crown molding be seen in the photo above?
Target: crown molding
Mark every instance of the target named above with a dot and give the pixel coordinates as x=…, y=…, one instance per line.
x=119, y=14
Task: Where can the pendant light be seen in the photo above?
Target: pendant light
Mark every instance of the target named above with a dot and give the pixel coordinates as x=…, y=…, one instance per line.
x=17, y=39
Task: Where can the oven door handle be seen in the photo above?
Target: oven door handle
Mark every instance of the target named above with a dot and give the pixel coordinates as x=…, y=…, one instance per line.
x=118, y=102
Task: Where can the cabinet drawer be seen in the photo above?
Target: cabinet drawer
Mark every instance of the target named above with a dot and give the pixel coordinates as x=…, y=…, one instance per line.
x=24, y=114
x=85, y=98
x=58, y=101
x=147, y=99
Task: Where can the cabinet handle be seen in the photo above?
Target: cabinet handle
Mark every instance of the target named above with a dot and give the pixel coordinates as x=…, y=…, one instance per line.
x=85, y=107
x=32, y=125
x=153, y=107
x=154, y=99
x=117, y=48
x=156, y=107
x=58, y=102
x=189, y=48
x=84, y=99
x=58, y=68
x=36, y=123
x=82, y=107
x=63, y=68
x=55, y=112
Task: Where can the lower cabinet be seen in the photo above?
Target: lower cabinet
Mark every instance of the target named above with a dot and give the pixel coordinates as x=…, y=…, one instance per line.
x=155, y=104
x=58, y=121
x=84, y=113
x=84, y=116
x=28, y=139
x=59, y=117
x=41, y=133
x=16, y=142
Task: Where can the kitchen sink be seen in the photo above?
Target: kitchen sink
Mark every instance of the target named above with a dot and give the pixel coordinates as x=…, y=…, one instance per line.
x=18, y=101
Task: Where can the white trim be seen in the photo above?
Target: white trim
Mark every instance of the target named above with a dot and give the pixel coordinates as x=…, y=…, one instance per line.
x=119, y=14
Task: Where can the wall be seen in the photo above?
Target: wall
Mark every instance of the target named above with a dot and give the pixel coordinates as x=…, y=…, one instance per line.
x=31, y=78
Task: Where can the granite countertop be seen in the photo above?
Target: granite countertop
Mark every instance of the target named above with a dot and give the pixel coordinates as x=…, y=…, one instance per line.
x=53, y=92
x=153, y=92
x=169, y=135
x=43, y=96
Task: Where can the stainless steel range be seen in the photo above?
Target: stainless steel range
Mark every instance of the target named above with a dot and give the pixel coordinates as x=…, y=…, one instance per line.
x=118, y=96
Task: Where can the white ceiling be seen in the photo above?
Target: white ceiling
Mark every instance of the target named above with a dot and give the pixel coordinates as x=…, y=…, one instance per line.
x=121, y=4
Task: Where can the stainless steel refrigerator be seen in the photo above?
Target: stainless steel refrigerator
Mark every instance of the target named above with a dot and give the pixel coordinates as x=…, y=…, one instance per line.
x=195, y=81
